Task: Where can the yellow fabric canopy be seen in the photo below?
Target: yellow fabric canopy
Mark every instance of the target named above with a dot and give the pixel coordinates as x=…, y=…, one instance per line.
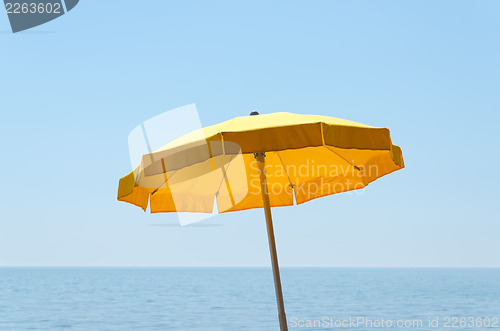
x=306, y=157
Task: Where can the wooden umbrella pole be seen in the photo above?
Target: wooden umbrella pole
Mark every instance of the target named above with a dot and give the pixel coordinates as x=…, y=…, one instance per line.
x=272, y=244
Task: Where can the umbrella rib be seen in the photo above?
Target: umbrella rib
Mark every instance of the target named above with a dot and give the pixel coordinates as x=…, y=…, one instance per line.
x=224, y=175
x=166, y=180
x=286, y=172
x=343, y=158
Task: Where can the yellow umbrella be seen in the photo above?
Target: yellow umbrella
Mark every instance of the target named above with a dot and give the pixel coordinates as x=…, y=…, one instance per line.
x=261, y=161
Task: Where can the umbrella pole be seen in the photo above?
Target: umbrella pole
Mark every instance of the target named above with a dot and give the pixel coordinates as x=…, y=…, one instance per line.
x=272, y=244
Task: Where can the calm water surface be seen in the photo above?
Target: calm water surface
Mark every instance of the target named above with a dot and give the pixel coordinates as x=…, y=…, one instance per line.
x=240, y=298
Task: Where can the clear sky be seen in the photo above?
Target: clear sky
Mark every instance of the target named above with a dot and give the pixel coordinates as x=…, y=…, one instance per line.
x=72, y=90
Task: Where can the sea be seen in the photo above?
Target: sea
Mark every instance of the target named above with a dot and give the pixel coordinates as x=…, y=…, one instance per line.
x=206, y=299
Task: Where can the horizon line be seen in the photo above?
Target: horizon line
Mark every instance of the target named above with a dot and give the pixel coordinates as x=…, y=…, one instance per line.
x=248, y=267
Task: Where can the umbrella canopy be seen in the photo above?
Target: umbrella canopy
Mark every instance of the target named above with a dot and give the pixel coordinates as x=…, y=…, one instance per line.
x=307, y=157
x=261, y=161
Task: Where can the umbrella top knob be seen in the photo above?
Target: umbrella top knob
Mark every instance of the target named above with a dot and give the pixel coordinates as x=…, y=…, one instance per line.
x=254, y=113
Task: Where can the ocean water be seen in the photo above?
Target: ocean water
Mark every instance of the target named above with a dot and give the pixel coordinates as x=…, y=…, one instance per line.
x=243, y=298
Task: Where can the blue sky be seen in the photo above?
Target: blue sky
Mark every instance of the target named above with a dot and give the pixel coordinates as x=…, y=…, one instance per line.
x=73, y=89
